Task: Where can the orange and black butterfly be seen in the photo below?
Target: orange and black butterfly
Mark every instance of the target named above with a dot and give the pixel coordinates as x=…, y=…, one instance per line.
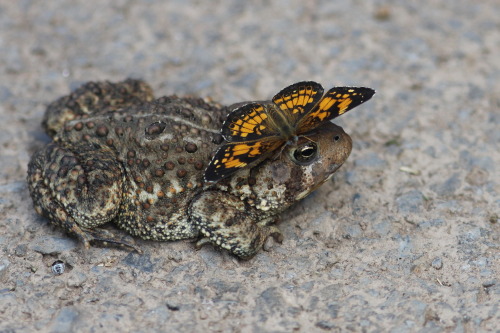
x=255, y=130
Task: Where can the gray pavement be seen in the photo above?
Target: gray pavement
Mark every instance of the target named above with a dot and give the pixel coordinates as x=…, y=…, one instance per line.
x=405, y=238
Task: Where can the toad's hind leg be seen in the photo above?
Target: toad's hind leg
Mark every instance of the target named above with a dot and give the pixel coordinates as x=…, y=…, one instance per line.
x=229, y=223
x=77, y=189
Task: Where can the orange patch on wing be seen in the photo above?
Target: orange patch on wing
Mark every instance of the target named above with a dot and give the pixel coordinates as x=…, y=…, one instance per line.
x=344, y=105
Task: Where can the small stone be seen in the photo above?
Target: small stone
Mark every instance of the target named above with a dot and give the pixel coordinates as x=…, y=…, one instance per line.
x=477, y=177
x=452, y=206
x=175, y=256
x=383, y=228
x=21, y=250
x=52, y=245
x=489, y=284
x=483, y=162
x=371, y=160
x=325, y=325
x=449, y=186
x=431, y=223
x=173, y=305
x=64, y=320
x=58, y=267
x=4, y=267
x=410, y=202
x=76, y=279
x=270, y=300
x=158, y=315
x=141, y=262
x=437, y=263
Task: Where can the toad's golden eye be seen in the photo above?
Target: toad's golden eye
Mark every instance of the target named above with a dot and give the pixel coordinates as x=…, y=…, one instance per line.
x=306, y=153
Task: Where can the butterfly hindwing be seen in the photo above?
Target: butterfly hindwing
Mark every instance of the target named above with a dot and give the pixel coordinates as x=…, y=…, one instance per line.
x=247, y=123
x=297, y=100
x=336, y=101
x=232, y=156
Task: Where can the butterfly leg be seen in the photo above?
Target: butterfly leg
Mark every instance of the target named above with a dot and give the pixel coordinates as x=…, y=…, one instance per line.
x=227, y=222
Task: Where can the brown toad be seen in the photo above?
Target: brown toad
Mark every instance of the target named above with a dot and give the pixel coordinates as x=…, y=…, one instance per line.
x=120, y=155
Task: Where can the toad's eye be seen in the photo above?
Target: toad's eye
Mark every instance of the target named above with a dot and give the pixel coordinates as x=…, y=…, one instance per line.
x=306, y=153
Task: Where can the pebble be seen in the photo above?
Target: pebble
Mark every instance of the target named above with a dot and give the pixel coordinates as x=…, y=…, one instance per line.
x=352, y=177
x=222, y=287
x=452, y=206
x=330, y=292
x=485, y=273
x=4, y=268
x=370, y=160
x=431, y=223
x=410, y=202
x=269, y=301
x=449, y=186
x=173, y=305
x=21, y=250
x=52, y=245
x=383, y=228
x=76, y=279
x=483, y=162
x=489, y=283
x=437, y=263
x=325, y=325
x=58, y=267
x=64, y=321
x=159, y=314
x=141, y=262
x=353, y=231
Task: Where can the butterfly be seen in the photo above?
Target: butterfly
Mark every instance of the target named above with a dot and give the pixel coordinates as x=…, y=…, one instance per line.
x=255, y=130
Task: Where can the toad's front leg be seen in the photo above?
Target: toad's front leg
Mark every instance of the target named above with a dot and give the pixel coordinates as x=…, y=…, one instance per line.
x=229, y=223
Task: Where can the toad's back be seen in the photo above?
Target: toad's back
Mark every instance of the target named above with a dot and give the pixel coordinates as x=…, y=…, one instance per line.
x=117, y=144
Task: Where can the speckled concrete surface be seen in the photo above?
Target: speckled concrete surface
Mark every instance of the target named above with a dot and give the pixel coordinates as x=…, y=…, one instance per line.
x=406, y=237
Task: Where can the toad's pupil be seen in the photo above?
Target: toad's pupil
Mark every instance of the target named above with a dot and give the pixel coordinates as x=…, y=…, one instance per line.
x=308, y=151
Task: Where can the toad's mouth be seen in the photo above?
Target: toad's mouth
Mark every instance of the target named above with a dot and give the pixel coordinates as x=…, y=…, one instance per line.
x=332, y=169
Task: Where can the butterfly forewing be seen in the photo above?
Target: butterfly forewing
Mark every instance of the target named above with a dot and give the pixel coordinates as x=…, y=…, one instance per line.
x=248, y=122
x=295, y=101
x=233, y=156
x=336, y=101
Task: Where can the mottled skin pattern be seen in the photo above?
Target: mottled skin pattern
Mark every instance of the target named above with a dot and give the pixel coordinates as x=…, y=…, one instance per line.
x=119, y=155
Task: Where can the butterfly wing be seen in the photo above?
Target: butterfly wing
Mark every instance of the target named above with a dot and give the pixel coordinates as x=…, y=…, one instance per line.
x=336, y=101
x=294, y=102
x=233, y=156
x=248, y=123
x=251, y=136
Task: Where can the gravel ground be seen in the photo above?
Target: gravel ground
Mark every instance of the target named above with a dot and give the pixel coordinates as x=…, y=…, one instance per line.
x=406, y=237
